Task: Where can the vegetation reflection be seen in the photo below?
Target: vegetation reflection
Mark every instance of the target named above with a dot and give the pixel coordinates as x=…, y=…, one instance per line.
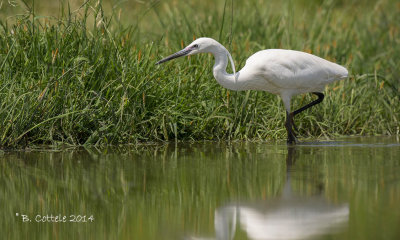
x=181, y=190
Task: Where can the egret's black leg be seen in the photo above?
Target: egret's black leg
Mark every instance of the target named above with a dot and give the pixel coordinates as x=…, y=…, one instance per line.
x=289, y=117
x=293, y=125
x=291, y=137
x=320, y=98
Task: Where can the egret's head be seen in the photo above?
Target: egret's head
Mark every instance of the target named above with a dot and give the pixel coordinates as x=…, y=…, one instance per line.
x=199, y=45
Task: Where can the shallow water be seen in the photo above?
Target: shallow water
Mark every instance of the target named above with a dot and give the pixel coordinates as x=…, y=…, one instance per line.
x=343, y=189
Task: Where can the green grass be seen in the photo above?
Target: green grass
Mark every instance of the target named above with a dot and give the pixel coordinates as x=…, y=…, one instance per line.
x=88, y=77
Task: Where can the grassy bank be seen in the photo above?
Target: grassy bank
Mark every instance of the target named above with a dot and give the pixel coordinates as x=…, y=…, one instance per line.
x=88, y=77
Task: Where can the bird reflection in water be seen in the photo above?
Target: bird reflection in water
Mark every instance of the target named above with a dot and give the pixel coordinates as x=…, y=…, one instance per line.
x=288, y=217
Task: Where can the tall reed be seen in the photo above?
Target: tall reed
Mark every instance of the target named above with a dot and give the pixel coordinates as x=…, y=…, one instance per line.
x=89, y=78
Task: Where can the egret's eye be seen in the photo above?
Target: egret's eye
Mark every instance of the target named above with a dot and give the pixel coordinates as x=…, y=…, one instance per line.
x=196, y=46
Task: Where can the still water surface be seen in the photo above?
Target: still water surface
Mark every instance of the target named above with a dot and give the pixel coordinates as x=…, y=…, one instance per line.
x=344, y=189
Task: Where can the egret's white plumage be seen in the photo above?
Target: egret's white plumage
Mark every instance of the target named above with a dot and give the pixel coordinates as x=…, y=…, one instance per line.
x=278, y=71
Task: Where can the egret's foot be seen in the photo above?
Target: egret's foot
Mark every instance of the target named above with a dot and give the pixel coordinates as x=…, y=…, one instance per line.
x=292, y=140
x=290, y=133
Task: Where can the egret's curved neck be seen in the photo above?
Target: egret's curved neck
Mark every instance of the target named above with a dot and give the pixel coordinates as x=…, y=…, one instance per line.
x=221, y=62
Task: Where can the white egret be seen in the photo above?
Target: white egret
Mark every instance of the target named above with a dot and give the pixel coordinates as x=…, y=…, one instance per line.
x=278, y=71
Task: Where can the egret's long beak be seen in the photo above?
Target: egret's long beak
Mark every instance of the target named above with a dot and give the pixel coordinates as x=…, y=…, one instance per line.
x=181, y=53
